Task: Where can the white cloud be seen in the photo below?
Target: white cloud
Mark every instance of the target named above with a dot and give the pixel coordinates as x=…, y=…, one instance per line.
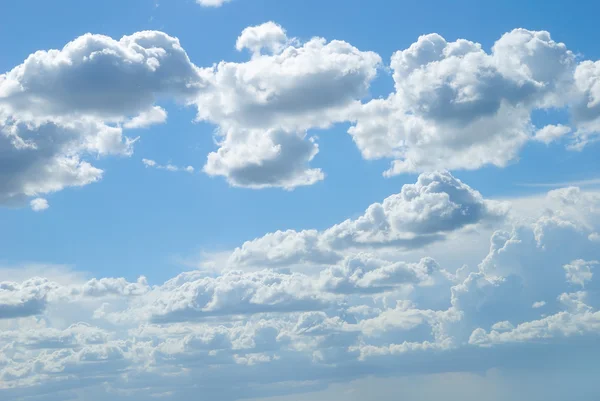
x=169, y=167
x=258, y=159
x=299, y=309
x=551, y=133
x=422, y=213
x=351, y=316
x=264, y=106
x=156, y=115
x=538, y=304
x=212, y=3
x=24, y=299
x=269, y=35
x=579, y=271
x=455, y=105
x=60, y=107
x=459, y=107
x=39, y=204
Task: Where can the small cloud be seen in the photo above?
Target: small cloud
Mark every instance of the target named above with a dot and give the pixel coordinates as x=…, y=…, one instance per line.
x=169, y=167
x=539, y=304
x=39, y=204
x=149, y=163
x=156, y=115
x=551, y=133
x=212, y=3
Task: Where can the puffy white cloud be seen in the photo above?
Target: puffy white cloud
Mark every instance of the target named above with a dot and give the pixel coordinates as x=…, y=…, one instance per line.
x=364, y=273
x=39, y=204
x=192, y=296
x=284, y=248
x=31, y=297
x=437, y=203
x=24, y=299
x=61, y=106
x=459, y=107
x=586, y=111
x=578, y=321
x=269, y=35
x=156, y=115
x=420, y=214
x=47, y=158
x=264, y=106
x=259, y=159
x=579, y=271
x=301, y=86
x=97, y=76
x=315, y=307
x=454, y=106
x=551, y=133
x=251, y=333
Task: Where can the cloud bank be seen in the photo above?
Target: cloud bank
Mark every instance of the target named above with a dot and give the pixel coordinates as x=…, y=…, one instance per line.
x=303, y=310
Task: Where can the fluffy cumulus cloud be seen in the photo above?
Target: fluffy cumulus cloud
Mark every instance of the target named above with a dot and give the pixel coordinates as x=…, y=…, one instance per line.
x=39, y=204
x=433, y=279
x=261, y=159
x=458, y=106
x=455, y=105
x=428, y=211
x=59, y=107
x=264, y=106
x=314, y=311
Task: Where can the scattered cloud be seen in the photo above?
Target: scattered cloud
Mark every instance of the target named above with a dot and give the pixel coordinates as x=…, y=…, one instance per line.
x=60, y=108
x=422, y=213
x=313, y=315
x=169, y=167
x=212, y=3
x=551, y=133
x=39, y=204
x=454, y=105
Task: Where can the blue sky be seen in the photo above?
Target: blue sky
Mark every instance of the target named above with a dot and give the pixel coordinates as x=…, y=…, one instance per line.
x=145, y=220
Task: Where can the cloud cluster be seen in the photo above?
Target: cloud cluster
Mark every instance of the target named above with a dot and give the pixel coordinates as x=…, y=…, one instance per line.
x=454, y=105
x=264, y=106
x=310, y=314
x=61, y=106
x=459, y=107
x=437, y=205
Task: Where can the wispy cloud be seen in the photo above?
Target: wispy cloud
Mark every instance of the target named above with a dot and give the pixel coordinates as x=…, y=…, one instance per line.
x=579, y=183
x=169, y=167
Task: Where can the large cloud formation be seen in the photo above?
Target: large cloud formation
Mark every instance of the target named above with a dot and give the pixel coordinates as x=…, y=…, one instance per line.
x=264, y=106
x=454, y=105
x=60, y=106
x=428, y=211
x=458, y=107
x=313, y=311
